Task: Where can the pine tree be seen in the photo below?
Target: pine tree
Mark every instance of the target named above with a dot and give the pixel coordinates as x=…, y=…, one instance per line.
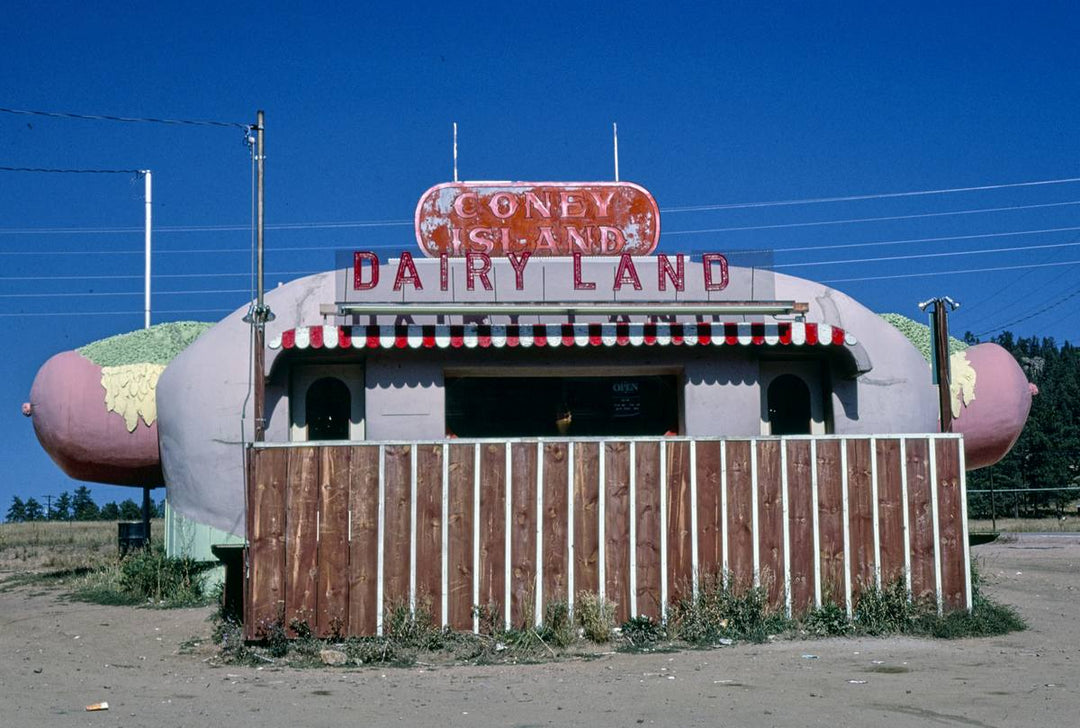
x=34, y=511
x=130, y=511
x=83, y=506
x=17, y=512
x=62, y=507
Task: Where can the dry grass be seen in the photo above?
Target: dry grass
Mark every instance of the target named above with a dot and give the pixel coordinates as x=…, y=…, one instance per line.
x=59, y=546
x=1068, y=524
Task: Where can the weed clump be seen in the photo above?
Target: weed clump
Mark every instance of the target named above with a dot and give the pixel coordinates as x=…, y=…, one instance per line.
x=891, y=610
x=722, y=611
x=146, y=576
x=642, y=632
x=595, y=616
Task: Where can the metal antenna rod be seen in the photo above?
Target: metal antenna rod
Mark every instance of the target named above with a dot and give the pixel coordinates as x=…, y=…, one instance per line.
x=615, y=136
x=455, y=152
x=147, y=199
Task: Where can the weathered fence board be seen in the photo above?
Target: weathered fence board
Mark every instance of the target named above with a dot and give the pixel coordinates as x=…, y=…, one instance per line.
x=333, y=553
x=265, y=592
x=770, y=530
x=740, y=509
x=647, y=526
x=343, y=533
x=921, y=519
x=461, y=476
x=890, y=510
x=522, y=535
x=861, y=514
x=492, y=541
x=801, y=525
x=554, y=529
x=429, y=526
x=301, y=536
x=617, y=527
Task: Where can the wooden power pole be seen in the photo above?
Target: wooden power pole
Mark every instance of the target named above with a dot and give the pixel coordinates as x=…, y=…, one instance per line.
x=939, y=338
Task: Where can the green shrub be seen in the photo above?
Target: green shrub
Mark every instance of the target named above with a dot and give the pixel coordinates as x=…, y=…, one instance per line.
x=722, y=611
x=558, y=626
x=828, y=620
x=642, y=631
x=146, y=576
x=595, y=616
x=884, y=610
x=150, y=575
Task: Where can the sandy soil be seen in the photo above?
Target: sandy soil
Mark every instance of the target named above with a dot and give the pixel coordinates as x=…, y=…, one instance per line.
x=56, y=657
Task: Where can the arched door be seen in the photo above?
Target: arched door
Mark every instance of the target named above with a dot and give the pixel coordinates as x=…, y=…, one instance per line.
x=789, y=406
x=327, y=408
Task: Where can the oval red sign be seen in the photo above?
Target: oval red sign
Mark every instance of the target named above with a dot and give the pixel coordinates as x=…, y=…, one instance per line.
x=542, y=218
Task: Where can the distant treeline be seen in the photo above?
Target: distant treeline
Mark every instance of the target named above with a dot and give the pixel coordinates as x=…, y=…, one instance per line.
x=79, y=506
x=1046, y=458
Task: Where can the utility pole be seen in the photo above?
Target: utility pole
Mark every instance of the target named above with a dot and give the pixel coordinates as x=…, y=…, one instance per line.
x=939, y=339
x=48, y=507
x=260, y=314
x=148, y=187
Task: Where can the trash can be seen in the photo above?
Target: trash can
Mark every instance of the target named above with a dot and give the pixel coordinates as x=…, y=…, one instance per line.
x=131, y=535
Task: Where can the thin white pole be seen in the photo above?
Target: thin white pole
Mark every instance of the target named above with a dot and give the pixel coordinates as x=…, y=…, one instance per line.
x=455, y=152
x=147, y=201
x=615, y=136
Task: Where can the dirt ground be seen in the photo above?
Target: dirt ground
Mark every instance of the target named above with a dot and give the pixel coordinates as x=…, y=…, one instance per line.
x=56, y=657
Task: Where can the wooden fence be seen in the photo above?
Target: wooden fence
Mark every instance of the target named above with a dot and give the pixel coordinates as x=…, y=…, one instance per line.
x=341, y=532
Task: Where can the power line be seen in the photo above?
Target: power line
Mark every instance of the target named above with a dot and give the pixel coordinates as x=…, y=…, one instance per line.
x=1039, y=312
x=205, y=228
x=294, y=249
x=976, y=308
x=346, y=224
x=128, y=119
x=117, y=313
x=156, y=276
x=317, y=248
x=963, y=271
x=878, y=196
x=869, y=219
x=919, y=256
x=71, y=171
x=100, y=294
x=904, y=241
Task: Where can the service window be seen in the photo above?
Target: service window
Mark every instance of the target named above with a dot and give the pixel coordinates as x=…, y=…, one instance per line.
x=482, y=406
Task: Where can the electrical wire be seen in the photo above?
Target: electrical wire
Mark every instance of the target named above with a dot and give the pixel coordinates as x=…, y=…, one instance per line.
x=920, y=256
x=962, y=271
x=872, y=219
x=71, y=171
x=981, y=314
x=1029, y=316
x=128, y=119
x=156, y=276
x=115, y=313
x=206, y=228
x=878, y=196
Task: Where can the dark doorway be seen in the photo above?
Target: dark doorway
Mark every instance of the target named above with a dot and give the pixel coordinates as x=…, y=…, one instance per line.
x=789, y=406
x=562, y=406
x=327, y=409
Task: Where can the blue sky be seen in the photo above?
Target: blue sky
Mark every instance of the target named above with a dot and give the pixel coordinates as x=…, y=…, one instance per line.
x=717, y=104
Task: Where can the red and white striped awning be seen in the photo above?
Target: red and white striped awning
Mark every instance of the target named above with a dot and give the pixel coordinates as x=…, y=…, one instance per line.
x=470, y=336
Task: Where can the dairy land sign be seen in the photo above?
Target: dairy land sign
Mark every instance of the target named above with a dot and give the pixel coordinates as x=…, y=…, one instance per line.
x=549, y=219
